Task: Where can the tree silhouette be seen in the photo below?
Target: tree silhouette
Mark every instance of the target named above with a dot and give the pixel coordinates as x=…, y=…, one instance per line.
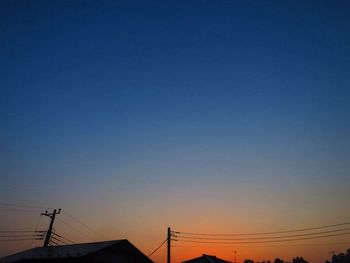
x=341, y=257
x=299, y=260
x=278, y=260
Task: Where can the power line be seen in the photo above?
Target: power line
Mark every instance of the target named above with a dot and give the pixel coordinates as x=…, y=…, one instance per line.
x=257, y=242
x=38, y=222
x=158, y=248
x=17, y=236
x=77, y=230
x=262, y=233
x=55, y=238
x=36, y=228
x=24, y=239
x=58, y=240
x=68, y=240
x=82, y=223
x=295, y=245
x=18, y=210
x=21, y=231
x=12, y=207
x=53, y=242
x=261, y=246
x=265, y=238
x=24, y=205
x=164, y=254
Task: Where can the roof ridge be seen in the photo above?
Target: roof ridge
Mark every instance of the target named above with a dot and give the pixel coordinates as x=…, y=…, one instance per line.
x=70, y=247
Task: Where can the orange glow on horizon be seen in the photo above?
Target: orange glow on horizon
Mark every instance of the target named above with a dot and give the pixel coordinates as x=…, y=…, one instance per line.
x=181, y=253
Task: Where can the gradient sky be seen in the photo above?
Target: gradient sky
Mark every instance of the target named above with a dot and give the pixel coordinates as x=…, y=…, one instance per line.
x=206, y=116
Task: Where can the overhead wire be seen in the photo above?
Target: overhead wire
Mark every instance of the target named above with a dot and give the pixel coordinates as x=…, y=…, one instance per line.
x=36, y=228
x=260, y=246
x=14, y=236
x=53, y=242
x=83, y=224
x=24, y=239
x=257, y=242
x=295, y=245
x=261, y=233
x=24, y=205
x=58, y=240
x=21, y=231
x=19, y=236
x=74, y=228
x=15, y=207
x=18, y=210
x=164, y=254
x=265, y=238
x=158, y=247
x=66, y=239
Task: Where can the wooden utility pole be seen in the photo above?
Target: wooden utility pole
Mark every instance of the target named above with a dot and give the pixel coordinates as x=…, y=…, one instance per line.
x=49, y=231
x=169, y=239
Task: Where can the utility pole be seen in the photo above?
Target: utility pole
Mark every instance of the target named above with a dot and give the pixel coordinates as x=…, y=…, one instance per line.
x=168, y=238
x=49, y=231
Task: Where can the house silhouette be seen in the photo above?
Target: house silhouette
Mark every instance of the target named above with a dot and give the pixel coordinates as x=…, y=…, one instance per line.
x=206, y=259
x=121, y=251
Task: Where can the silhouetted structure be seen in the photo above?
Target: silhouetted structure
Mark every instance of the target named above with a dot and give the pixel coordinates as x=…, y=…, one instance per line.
x=206, y=259
x=341, y=257
x=278, y=260
x=299, y=260
x=121, y=251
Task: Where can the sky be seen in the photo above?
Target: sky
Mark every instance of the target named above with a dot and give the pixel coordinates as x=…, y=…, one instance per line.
x=204, y=116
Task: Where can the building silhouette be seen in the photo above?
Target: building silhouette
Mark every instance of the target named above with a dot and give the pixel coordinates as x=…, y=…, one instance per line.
x=121, y=251
x=206, y=259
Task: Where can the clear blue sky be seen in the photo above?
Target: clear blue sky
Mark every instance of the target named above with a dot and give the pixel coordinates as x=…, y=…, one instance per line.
x=131, y=104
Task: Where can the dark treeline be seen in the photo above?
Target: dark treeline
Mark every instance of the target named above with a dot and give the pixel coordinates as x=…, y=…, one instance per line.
x=278, y=260
x=341, y=257
x=336, y=258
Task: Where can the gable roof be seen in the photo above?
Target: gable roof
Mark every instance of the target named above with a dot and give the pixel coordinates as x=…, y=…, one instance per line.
x=67, y=251
x=206, y=259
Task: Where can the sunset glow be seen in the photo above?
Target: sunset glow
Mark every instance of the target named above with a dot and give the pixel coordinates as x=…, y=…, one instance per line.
x=208, y=117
